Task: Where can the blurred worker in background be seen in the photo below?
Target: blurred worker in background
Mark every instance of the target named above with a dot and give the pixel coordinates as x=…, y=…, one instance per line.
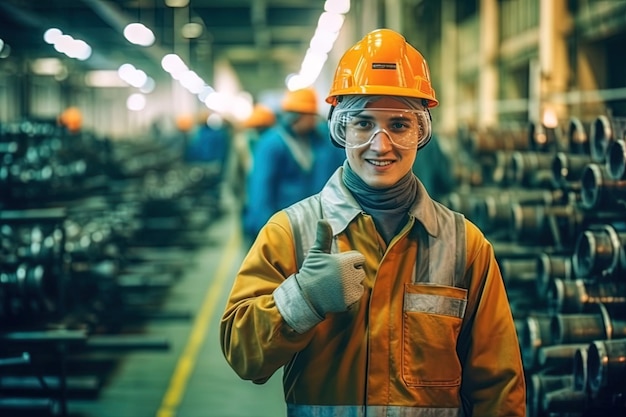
x=291, y=161
x=375, y=299
x=245, y=140
x=185, y=124
x=260, y=120
x=210, y=145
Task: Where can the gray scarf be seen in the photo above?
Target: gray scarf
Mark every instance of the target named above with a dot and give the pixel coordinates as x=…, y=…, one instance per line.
x=388, y=207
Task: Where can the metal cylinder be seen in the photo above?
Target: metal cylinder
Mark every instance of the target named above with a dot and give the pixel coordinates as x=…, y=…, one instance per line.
x=535, y=333
x=492, y=214
x=539, y=385
x=542, y=138
x=577, y=138
x=567, y=168
x=599, y=191
x=606, y=365
x=565, y=400
x=575, y=296
x=558, y=358
x=580, y=371
x=529, y=223
x=597, y=251
x=550, y=267
x=616, y=160
x=600, y=134
x=491, y=140
x=578, y=328
x=528, y=168
x=519, y=272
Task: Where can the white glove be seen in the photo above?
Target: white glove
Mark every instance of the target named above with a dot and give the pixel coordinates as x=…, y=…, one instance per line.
x=330, y=282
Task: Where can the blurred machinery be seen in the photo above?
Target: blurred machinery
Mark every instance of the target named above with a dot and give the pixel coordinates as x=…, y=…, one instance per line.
x=553, y=203
x=92, y=235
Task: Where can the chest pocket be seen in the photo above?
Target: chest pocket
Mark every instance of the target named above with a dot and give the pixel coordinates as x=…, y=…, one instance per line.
x=434, y=307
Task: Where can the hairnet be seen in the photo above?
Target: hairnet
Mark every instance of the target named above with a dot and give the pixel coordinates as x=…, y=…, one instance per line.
x=361, y=101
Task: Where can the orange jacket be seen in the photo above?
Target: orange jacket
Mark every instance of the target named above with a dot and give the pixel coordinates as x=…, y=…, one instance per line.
x=395, y=352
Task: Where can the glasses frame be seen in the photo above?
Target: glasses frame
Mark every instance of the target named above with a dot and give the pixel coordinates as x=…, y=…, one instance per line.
x=340, y=139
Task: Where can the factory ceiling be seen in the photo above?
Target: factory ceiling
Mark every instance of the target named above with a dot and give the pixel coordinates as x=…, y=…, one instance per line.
x=263, y=40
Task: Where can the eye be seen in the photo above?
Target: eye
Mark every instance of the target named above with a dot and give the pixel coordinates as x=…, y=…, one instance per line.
x=400, y=124
x=361, y=124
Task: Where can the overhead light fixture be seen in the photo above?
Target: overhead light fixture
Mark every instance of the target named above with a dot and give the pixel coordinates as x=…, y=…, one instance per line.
x=191, y=30
x=65, y=44
x=5, y=49
x=337, y=6
x=176, y=3
x=47, y=66
x=136, y=102
x=139, y=34
x=133, y=76
x=328, y=26
x=104, y=78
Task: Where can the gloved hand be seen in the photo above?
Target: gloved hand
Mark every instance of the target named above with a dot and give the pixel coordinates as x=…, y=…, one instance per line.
x=330, y=282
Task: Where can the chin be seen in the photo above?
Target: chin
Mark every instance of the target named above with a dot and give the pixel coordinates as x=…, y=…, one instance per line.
x=378, y=183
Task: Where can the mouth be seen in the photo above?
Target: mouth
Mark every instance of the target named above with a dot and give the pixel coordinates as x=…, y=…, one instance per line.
x=380, y=163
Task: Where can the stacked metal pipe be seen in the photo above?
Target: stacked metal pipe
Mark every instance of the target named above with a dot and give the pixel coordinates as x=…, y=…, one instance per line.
x=554, y=207
x=83, y=227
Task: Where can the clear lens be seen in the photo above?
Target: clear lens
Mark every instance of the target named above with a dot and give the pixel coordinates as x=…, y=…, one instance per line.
x=405, y=128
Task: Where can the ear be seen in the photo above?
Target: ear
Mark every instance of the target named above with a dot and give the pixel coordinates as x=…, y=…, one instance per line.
x=330, y=130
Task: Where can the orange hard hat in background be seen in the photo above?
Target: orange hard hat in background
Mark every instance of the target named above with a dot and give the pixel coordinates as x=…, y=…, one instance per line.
x=383, y=63
x=300, y=101
x=262, y=116
x=185, y=122
x=72, y=119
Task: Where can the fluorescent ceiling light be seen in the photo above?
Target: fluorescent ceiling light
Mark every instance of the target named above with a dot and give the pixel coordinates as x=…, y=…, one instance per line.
x=102, y=78
x=176, y=3
x=47, y=66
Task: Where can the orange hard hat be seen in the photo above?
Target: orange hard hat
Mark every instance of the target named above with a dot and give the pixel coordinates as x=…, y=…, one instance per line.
x=383, y=63
x=72, y=119
x=184, y=122
x=303, y=100
x=262, y=116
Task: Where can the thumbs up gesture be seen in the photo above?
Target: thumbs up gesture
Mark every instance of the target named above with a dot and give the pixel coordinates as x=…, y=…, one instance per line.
x=330, y=282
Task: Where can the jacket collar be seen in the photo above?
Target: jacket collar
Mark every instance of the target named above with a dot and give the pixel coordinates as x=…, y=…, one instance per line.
x=339, y=206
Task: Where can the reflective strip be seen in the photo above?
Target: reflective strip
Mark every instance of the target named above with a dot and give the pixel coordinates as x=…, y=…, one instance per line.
x=434, y=262
x=435, y=304
x=368, y=411
x=295, y=310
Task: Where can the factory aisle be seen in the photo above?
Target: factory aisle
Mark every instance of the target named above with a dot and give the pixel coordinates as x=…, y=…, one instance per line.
x=192, y=378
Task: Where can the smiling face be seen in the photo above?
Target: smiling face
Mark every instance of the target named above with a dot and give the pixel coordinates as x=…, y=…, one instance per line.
x=380, y=164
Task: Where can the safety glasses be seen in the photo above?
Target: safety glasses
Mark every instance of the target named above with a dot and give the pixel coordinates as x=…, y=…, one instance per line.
x=405, y=128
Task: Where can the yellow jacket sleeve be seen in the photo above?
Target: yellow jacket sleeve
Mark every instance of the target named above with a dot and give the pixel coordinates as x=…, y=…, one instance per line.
x=493, y=376
x=255, y=339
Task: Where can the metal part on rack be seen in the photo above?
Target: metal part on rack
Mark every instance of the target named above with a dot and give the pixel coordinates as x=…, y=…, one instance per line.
x=562, y=259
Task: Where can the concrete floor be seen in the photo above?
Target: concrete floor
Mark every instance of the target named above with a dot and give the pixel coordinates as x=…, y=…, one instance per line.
x=191, y=378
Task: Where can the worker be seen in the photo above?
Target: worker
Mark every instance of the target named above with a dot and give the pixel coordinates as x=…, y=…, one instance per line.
x=261, y=119
x=210, y=146
x=246, y=137
x=291, y=160
x=374, y=299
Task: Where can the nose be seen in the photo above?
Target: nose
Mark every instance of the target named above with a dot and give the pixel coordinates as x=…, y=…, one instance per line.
x=381, y=141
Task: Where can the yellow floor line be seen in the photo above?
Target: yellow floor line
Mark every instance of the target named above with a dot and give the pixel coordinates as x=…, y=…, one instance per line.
x=184, y=368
